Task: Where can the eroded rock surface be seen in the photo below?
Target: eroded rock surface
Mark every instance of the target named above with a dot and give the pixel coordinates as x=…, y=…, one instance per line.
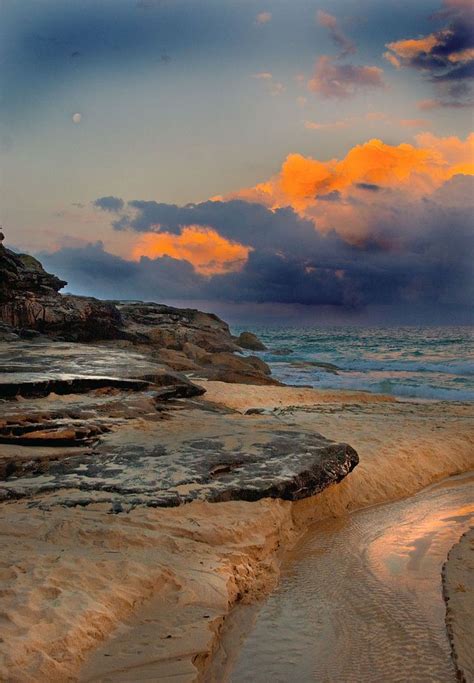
x=71, y=434
x=38, y=363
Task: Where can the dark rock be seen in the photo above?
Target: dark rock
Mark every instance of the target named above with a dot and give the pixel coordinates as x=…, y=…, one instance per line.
x=28, y=334
x=248, y=340
x=189, y=455
x=182, y=386
x=50, y=437
x=175, y=328
x=226, y=367
x=125, y=440
x=30, y=300
x=258, y=364
x=177, y=360
x=23, y=273
x=75, y=385
x=7, y=333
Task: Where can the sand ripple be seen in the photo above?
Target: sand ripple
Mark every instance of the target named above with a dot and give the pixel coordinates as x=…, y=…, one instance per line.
x=361, y=598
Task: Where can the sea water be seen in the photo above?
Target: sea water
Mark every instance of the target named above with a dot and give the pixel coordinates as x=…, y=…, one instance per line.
x=412, y=362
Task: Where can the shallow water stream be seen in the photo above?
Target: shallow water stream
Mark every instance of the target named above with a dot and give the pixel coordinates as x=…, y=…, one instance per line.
x=359, y=599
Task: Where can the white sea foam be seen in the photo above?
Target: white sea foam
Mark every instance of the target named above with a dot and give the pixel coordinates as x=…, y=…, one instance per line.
x=428, y=363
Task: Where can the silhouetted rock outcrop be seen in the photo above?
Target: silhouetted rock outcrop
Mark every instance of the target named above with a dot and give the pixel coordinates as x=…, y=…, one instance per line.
x=185, y=339
x=30, y=300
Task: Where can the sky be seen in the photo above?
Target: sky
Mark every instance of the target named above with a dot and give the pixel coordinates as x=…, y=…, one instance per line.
x=299, y=160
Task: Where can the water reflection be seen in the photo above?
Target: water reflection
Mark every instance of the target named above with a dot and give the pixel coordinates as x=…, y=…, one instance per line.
x=360, y=599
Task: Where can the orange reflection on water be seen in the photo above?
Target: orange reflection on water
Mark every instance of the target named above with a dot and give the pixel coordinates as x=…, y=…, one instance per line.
x=419, y=544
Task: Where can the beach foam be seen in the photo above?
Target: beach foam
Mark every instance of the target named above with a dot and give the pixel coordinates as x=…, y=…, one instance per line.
x=417, y=362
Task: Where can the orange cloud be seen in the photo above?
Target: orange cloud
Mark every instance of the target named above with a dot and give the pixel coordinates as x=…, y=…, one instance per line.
x=306, y=184
x=263, y=18
x=425, y=167
x=415, y=123
x=407, y=49
x=402, y=51
x=458, y=154
x=204, y=248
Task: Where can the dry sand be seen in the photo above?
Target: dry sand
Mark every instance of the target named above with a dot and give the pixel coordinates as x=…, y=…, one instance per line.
x=458, y=589
x=168, y=577
x=69, y=576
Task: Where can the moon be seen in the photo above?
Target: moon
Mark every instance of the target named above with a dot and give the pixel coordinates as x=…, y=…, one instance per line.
x=77, y=117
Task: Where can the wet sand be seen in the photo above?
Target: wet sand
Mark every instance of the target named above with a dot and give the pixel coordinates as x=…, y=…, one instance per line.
x=458, y=590
x=359, y=599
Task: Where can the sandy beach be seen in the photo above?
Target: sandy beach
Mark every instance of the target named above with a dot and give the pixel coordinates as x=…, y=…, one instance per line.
x=86, y=591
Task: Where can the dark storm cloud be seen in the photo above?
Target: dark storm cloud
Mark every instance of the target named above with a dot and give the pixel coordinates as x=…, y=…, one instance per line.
x=91, y=270
x=368, y=186
x=112, y=204
x=446, y=55
x=251, y=224
x=333, y=80
x=420, y=253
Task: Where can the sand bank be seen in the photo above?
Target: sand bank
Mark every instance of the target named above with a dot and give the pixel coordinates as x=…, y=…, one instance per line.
x=458, y=590
x=69, y=576
x=403, y=446
x=168, y=577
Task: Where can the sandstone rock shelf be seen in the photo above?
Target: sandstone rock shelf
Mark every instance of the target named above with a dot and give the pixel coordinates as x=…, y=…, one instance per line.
x=145, y=445
x=141, y=436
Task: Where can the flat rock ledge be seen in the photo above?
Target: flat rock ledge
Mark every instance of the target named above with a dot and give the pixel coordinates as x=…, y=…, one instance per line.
x=142, y=436
x=192, y=454
x=458, y=593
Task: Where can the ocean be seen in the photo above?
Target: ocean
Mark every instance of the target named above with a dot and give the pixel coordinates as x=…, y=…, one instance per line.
x=411, y=362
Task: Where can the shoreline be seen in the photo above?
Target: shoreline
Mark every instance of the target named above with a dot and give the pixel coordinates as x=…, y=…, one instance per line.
x=180, y=570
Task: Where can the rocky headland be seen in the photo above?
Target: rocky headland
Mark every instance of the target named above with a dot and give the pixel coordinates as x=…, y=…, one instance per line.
x=188, y=340
x=152, y=471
